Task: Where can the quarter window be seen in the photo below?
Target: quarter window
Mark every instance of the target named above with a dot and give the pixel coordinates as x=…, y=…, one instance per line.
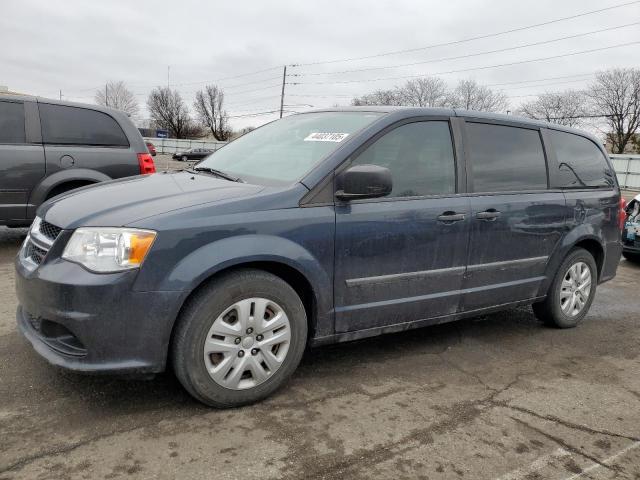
x=580, y=162
x=505, y=158
x=12, y=122
x=64, y=125
x=419, y=156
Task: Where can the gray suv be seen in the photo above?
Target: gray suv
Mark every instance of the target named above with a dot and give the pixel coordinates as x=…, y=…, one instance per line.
x=48, y=147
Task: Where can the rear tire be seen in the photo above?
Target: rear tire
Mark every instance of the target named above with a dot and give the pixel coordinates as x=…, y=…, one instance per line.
x=214, y=321
x=632, y=257
x=185, y=158
x=571, y=292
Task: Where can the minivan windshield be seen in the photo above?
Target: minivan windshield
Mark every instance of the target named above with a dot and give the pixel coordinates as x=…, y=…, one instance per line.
x=283, y=151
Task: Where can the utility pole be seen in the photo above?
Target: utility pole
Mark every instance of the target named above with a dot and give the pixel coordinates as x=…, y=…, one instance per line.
x=106, y=96
x=284, y=81
x=168, y=68
x=60, y=94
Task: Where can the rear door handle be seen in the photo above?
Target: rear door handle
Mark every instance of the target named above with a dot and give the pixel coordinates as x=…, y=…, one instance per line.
x=451, y=217
x=490, y=214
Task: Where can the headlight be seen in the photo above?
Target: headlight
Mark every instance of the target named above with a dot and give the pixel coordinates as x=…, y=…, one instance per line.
x=104, y=250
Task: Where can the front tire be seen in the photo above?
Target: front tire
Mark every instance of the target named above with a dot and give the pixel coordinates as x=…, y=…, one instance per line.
x=571, y=292
x=185, y=158
x=239, y=338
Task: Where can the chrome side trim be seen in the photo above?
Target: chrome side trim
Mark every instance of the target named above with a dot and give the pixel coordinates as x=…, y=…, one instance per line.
x=431, y=296
x=506, y=264
x=394, y=277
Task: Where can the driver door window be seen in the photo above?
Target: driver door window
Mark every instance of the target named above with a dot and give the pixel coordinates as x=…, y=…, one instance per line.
x=419, y=156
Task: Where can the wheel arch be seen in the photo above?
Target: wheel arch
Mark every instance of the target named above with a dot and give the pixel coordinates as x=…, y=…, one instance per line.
x=57, y=180
x=577, y=238
x=283, y=270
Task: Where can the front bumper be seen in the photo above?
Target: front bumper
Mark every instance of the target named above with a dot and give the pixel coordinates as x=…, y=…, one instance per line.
x=631, y=245
x=91, y=322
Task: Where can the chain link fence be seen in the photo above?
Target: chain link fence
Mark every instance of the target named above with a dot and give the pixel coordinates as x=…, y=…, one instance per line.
x=173, y=145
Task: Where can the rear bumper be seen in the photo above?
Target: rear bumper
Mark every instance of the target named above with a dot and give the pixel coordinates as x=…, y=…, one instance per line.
x=94, y=323
x=613, y=251
x=631, y=247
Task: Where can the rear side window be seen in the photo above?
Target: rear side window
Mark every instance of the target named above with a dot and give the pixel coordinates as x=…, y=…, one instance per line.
x=64, y=125
x=419, y=156
x=12, y=122
x=580, y=162
x=505, y=158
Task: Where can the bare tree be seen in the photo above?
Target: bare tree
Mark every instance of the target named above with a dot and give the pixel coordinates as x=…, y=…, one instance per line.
x=117, y=95
x=243, y=131
x=168, y=110
x=615, y=94
x=567, y=108
x=379, y=97
x=470, y=95
x=209, y=105
x=424, y=92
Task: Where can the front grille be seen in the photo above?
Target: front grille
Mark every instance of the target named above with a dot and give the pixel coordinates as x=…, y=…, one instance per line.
x=41, y=238
x=36, y=254
x=49, y=230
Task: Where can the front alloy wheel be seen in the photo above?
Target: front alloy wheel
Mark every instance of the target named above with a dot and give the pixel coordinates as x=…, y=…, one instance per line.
x=247, y=343
x=239, y=338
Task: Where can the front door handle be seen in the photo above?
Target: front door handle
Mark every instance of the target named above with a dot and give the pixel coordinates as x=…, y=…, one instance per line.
x=451, y=217
x=490, y=214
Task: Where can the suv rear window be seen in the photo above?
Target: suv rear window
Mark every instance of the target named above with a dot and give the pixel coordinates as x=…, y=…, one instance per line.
x=64, y=125
x=12, y=122
x=580, y=162
x=506, y=158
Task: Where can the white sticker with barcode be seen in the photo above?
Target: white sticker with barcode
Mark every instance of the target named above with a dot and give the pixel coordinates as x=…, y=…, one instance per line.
x=326, y=137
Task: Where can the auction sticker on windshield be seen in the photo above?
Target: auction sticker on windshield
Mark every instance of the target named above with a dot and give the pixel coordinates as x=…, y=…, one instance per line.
x=326, y=137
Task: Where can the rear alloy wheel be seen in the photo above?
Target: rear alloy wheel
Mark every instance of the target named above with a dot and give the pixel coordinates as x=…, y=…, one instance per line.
x=185, y=158
x=239, y=338
x=571, y=292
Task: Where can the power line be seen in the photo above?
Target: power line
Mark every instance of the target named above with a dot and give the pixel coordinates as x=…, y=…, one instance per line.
x=540, y=79
x=218, y=79
x=544, y=84
x=485, y=67
x=258, y=114
x=255, y=100
x=469, y=55
x=469, y=39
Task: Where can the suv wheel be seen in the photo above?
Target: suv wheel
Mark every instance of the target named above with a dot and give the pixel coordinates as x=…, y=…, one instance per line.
x=571, y=292
x=239, y=338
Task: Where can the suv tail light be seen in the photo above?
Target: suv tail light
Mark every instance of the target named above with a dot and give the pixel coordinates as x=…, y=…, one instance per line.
x=145, y=161
x=622, y=218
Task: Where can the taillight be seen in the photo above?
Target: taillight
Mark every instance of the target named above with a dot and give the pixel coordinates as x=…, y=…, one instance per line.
x=622, y=218
x=145, y=161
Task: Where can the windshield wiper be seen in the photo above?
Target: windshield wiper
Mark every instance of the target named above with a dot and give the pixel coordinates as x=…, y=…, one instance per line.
x=218, y=173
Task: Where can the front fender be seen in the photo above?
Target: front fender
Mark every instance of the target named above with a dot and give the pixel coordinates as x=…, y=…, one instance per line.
x=219, y=255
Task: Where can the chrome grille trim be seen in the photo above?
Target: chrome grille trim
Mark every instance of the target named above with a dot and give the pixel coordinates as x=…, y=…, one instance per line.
x=39, y=241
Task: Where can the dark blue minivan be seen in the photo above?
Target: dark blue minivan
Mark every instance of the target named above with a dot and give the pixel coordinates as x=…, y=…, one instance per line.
x=322, y=227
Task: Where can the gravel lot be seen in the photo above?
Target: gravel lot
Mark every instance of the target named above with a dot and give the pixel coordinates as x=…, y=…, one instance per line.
x=495, y=397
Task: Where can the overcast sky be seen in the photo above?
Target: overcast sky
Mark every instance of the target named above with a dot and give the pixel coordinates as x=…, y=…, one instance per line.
x=77, y=45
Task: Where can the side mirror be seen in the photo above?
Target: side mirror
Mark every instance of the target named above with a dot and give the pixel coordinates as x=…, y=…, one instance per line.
x=364, y=181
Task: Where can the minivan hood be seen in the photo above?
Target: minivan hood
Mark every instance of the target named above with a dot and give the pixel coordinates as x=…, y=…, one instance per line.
x=120, y=202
